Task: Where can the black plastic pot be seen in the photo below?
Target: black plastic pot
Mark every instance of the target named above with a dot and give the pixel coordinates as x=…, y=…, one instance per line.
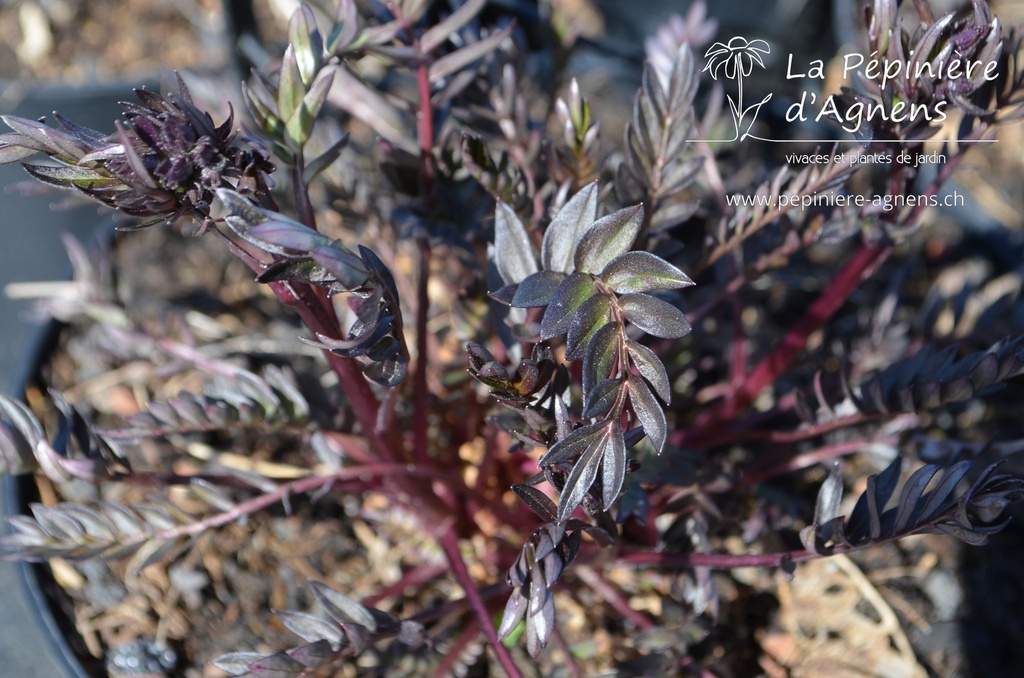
x=34, y=634
x=38, y=636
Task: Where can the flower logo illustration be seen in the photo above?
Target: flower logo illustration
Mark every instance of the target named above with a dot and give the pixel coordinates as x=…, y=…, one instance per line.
x=736, y=61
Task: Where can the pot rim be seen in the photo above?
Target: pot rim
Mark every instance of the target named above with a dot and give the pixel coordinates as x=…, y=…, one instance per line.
x=41, y=343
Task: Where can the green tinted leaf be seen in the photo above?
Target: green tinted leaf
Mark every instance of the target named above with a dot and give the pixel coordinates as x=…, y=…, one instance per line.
x=648, y=410
x=263, y=112
x=600, y=355
x=288, y=235
x=300, y=124
x=306, y=41
x=515, y=610
x=61, y=146
x=570, y=295
x=654, y=316
x=14, y=147
x=592, y=316
x=513, y=253
x=643, y=272
x=566, y=229
x=290, y=89
x=651, y=368
x=537, y=290
x=318, y=164
x=346, y=28
x=607, y=238
x=69, y=177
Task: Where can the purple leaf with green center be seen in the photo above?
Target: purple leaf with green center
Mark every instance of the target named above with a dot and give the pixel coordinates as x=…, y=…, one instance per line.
x=607, y=238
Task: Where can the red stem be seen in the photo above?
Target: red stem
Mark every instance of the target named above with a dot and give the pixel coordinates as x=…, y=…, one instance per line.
x=318, y=315
x=570, y=660
x=300, y=486
x=784, y=437
x=416, y=577
x=817, y=455
x=425, y=127
x=449, y=542
x=610, y=593
x=447, y=666
x=721, y=561
x=862, y=265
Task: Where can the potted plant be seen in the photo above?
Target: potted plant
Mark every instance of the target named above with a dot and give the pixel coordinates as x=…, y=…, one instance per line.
x=497, y=403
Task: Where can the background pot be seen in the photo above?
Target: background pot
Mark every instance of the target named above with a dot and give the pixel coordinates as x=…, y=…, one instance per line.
x=32, y=640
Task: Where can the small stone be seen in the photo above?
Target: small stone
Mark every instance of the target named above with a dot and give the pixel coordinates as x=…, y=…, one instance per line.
x=945, y=593
x=141, y=658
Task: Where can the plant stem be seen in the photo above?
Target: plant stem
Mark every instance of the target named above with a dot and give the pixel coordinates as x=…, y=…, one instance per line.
x=570, y=661
x=721, y=561
x=413, y=578
x=420, y=395
x=301, y=191
x=742, y=231
x=775, y=468
x=787, y=437
x=453, y=654
x=862, y=265
x=610, y=593
x=300, y=486
x=449, y=542
x=435, y=613
x=425, y=128
x=318, y=315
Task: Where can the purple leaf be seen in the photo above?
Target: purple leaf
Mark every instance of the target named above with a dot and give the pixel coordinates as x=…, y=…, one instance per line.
x=566, y=229
x=513, y=252
x=607, y=238
x=649, y=411
x=537, y=289
x=576, y=289
x=643, y=272
x=592, y=315
x=654, y=316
